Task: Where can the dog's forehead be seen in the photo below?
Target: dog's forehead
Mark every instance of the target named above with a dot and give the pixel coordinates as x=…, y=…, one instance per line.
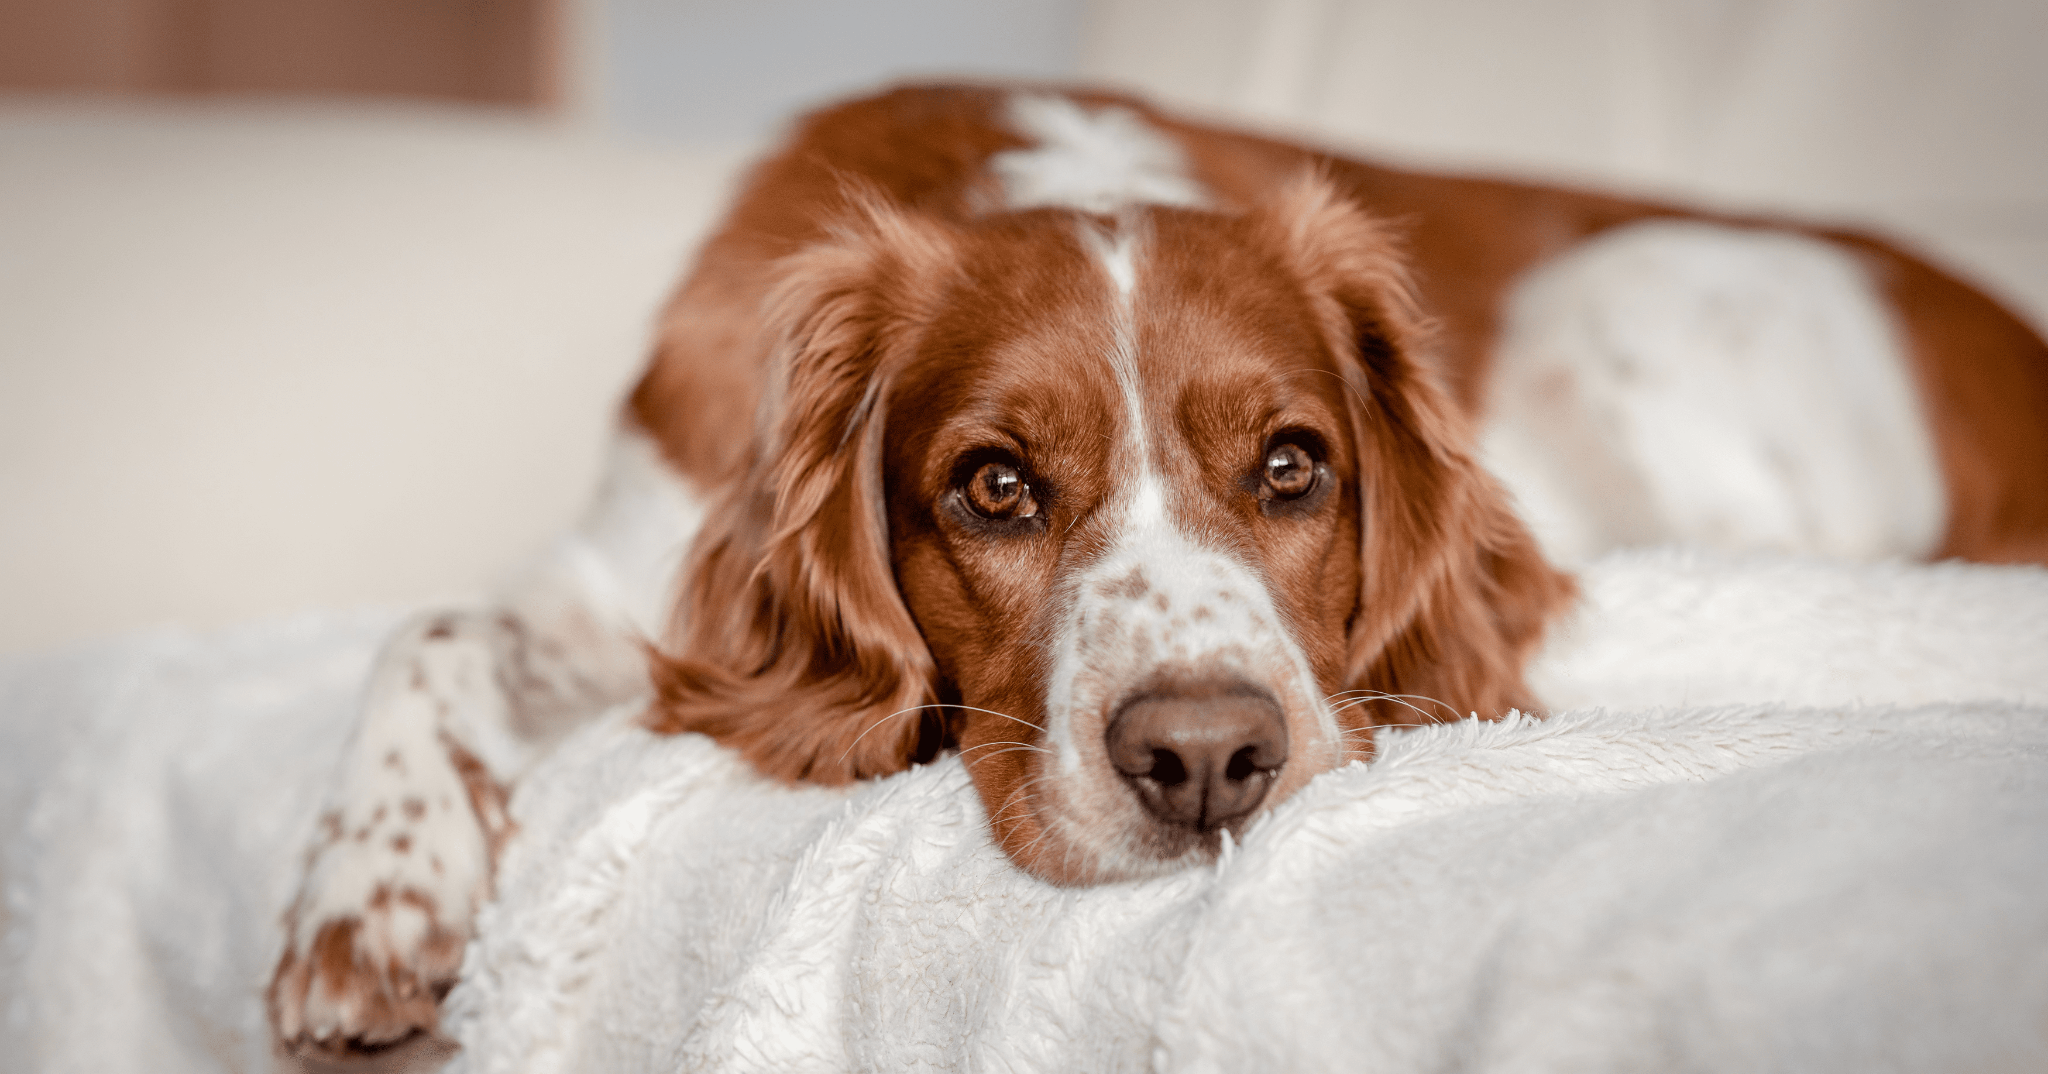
x=1021, y=331
x=1202, y=286
x=1057, y=320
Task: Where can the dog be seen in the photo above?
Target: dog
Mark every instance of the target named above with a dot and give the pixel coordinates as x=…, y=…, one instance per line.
x=1150, y=466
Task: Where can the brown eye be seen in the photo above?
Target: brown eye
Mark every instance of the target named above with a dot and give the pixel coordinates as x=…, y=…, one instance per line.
x=1289, y=471
x=998, y=491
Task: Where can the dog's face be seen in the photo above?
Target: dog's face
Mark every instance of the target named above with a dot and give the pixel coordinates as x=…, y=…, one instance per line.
x=1122, y=506
x=1124, y=514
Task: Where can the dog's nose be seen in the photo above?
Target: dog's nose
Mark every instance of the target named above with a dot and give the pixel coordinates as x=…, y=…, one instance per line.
x=1199, y=754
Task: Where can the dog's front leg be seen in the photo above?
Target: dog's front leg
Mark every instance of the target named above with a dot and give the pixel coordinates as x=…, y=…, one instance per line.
x=458, y=705
x=404, y=853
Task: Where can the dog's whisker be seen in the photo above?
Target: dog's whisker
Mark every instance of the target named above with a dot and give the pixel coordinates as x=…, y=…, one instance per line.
x=1010, y=802
x=880, y=722
x=1368, y=700
x=1015, y=747
x=1003, y=742
x=1401, y=699
x=1370, y=729
x=1391, y=696
x=992, y=712
x=932, y=705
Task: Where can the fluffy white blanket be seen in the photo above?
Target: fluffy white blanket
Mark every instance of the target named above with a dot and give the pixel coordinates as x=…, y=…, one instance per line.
x=1808, y=832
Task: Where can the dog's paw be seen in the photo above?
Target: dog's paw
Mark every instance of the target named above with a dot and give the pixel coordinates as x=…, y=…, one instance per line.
x=376, y=936
x=364, y=983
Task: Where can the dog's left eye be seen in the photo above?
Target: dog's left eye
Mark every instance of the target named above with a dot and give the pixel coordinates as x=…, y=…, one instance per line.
x=1290, y=471
x=997, y=491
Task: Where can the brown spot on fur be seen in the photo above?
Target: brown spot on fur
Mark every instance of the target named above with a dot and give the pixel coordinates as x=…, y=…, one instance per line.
x=441, y=629
x=486, y=796
x=413, y=807
x=395, y=761
x=401, y=843
x=1130, y=587
x=1160, y=602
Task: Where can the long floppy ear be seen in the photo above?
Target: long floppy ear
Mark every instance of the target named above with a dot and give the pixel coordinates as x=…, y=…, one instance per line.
x=1453, y=593
x=793, y=644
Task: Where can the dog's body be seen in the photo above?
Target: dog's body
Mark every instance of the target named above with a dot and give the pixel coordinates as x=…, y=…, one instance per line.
x=1122, y=454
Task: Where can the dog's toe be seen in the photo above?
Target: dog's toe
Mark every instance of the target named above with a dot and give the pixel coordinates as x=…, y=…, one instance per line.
x=366, y=983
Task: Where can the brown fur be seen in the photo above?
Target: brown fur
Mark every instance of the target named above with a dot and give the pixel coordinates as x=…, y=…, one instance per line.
x=796, y=645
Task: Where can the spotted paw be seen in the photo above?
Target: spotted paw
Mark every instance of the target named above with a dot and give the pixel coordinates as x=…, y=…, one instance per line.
x=363, y=984
x=398, y=870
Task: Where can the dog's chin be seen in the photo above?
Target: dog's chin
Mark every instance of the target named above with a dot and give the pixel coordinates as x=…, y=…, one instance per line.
x=1074, y=851
x=1141, y=857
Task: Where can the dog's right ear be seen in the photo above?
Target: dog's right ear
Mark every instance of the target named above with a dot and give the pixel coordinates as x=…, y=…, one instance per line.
x=793, y=644
x=1454, y=594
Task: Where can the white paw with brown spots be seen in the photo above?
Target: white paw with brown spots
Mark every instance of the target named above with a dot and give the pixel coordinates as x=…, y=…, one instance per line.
x=399, y=869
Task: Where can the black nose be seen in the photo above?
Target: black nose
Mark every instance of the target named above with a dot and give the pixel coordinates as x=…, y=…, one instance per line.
x=1199, y=754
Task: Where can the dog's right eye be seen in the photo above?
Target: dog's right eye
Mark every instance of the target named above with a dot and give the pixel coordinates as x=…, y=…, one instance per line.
x=997, y=491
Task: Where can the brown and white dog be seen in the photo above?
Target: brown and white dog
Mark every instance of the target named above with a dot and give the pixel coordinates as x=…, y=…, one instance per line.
x=1150, y=466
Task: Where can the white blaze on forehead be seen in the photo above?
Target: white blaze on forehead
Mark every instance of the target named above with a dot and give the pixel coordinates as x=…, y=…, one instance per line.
x=1119, y=259
x=1097, y=160
x=1145, y=501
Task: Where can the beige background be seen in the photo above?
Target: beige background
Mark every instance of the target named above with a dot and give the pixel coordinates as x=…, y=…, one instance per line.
x=257, y=358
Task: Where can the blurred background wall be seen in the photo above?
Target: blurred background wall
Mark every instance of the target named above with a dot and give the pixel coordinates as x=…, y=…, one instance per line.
x=471, y=50
x=307, y=303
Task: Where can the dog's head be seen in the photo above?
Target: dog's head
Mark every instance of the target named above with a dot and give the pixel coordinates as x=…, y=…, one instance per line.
x=1153, y=516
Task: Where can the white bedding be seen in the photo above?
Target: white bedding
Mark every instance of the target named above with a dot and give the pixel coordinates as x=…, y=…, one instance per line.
x=1810, y=832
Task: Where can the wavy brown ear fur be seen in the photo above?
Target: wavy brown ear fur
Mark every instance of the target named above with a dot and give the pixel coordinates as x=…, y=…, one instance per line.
x=793, y=644
x=1454, y=594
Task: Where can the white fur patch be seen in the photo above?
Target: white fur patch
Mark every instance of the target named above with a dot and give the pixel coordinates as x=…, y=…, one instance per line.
x=1674, y=381
x=1096, y=160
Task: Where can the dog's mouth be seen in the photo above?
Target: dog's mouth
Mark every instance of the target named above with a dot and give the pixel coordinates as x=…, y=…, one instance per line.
x=1155, y=782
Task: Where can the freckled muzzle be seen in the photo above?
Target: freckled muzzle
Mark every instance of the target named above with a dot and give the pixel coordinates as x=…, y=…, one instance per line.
x=1181, y=707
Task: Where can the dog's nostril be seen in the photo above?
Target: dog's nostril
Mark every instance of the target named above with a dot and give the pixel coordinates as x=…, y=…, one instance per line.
x=1199, y=754
x=1167, y=769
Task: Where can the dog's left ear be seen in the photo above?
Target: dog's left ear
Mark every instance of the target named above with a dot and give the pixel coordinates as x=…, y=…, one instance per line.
x=1453, y=594
x=793, y=643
